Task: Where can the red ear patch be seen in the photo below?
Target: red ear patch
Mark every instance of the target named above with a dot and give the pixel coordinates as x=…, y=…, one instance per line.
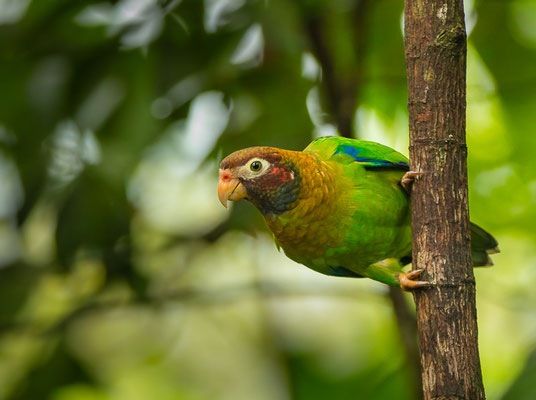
x=282, y=174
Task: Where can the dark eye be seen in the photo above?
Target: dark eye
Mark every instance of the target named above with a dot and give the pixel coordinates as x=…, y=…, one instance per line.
x=255, y=166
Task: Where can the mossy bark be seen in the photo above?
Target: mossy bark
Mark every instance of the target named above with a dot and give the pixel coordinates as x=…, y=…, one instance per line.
x=436, y=48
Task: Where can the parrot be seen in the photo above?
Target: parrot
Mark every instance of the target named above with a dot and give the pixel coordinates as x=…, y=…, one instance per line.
x=340, y=207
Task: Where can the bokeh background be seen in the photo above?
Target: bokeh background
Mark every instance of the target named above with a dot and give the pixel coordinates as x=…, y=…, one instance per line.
x=122, y=277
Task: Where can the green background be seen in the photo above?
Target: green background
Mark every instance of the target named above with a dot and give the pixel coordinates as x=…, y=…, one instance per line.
x=122, y=277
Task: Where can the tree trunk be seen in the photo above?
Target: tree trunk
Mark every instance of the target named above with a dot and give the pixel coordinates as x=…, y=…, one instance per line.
x=436, y=47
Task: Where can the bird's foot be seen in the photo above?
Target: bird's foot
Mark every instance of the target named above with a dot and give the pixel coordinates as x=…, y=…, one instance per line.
x=407, y=282
x=408, y=179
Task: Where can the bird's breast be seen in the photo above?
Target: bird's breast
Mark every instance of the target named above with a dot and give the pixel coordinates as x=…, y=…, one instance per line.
x=314, y=225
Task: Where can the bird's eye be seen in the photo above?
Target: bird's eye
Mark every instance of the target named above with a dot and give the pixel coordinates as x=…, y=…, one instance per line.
x=255, y=166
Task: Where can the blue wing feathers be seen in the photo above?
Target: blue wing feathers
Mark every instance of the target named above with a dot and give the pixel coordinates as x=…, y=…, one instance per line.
x=368, y=154
x=349, y=150
x=368, y=161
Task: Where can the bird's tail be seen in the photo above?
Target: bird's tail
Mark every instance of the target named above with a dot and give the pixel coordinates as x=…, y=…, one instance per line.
x=482, y=245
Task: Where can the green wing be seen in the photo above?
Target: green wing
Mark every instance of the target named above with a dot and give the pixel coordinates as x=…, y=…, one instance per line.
x=368, y=154
x=374, y=207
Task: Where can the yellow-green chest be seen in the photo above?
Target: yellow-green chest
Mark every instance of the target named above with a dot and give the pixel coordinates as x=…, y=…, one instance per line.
x=315, y=224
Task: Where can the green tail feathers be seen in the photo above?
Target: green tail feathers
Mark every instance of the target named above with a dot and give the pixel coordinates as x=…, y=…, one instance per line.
x=482, y=245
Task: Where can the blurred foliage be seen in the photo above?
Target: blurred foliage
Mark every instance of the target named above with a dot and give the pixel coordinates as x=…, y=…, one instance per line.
x=121, y=276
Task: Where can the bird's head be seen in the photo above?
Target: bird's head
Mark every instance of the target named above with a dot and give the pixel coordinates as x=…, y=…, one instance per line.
x=266, y=176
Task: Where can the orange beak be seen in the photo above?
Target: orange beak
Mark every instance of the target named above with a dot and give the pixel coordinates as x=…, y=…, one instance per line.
x=230, y=188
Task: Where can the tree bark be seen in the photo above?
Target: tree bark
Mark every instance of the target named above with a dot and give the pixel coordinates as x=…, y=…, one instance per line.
x=436, y=47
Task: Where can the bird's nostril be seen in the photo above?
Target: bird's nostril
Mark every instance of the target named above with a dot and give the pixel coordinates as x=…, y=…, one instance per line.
x=225, y=177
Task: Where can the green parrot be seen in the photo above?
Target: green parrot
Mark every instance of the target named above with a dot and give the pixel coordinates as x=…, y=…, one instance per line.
x=341, y=206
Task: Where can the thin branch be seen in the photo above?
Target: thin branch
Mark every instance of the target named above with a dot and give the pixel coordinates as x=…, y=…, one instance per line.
x=360, y=41
x=340, y=95
x=407, y=326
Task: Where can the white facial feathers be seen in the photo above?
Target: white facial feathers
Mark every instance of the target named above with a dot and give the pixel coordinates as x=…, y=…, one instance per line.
x=254, y=168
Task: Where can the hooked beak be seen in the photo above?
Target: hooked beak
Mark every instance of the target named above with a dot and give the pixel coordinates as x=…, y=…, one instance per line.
x=230, y=188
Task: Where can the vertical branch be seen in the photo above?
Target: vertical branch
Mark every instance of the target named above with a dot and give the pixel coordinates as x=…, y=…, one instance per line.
x=436, y=47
